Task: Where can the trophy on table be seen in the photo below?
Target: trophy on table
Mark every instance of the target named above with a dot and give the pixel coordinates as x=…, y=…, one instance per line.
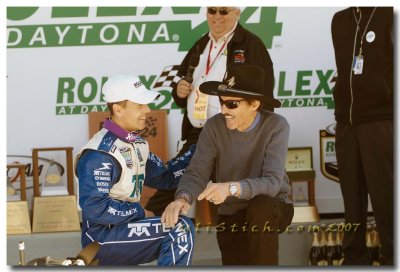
x=55, y=207
x=300, y=198
x=18, y=219
x=299, y=168
x=11, y=191
x=55, y=182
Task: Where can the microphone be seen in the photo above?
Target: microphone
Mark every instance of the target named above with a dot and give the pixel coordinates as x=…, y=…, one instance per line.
x=193, y=62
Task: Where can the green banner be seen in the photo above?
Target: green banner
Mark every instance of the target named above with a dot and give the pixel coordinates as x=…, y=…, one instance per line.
x=129, y=32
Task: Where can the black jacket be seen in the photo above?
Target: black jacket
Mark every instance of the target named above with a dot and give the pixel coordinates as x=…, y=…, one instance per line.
x=369, y=96
x=243, y=41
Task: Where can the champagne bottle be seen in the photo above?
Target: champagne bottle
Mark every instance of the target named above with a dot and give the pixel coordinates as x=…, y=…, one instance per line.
x=315, y=256
x=370, y=246
x=21, y=249
x=323, y=243
x=330, y=249
x=376, y=254
x=338, y=260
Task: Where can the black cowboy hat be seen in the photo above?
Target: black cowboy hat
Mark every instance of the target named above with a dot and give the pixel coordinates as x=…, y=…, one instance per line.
x=245, y=81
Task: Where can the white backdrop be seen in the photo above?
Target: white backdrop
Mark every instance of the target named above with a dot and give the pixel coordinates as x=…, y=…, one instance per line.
x=302, y=54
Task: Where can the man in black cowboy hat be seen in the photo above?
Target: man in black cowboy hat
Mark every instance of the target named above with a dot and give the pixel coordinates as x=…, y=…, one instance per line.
x=248, y=146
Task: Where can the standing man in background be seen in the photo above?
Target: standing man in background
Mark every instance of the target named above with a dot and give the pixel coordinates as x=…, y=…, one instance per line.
x=226, y=44
x=363, y=42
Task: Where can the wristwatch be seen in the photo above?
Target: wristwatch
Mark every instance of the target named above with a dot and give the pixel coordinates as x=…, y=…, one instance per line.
x=232, y=189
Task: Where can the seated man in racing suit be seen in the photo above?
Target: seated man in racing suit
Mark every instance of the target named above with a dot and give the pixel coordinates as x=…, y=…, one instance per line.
x=111, y=170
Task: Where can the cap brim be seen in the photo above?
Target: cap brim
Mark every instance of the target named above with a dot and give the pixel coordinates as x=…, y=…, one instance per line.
x=273, y=102
x=214, y=88
x=144, y=97
x=211, y=88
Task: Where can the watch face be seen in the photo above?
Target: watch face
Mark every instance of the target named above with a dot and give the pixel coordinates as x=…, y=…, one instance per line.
x=232, y=189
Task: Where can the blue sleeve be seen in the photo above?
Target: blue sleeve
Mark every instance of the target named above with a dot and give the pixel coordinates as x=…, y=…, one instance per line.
x=166, y=176
x=97, y=172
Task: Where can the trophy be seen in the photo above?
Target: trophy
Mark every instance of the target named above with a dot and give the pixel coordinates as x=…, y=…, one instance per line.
x=54, y=173
x=55, y=182
x=299, y=168
x=55, y=207
x=300, y=195
x=18, y=220
x=11, y=191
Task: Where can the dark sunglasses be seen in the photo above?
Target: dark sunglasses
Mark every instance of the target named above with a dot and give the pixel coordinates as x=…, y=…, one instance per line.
x=222, y=11
x=230, y=104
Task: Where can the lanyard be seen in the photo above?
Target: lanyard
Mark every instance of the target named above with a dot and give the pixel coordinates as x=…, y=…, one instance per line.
x=365, y=29
x=209, y=63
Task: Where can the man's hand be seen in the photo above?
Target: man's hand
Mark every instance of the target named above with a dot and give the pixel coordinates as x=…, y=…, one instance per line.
x=183, y=89
x=217, y=192
x=172, y=211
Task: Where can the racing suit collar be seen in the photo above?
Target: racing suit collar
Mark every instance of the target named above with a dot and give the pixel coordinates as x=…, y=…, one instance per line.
x=121, y=133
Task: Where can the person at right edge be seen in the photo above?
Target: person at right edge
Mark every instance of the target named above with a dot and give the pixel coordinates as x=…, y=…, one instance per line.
x=363, y=93
x=226, y=44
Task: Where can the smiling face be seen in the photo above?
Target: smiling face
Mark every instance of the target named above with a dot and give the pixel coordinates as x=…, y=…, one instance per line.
x=241, y=117
x=130, y=116
x=221, y=24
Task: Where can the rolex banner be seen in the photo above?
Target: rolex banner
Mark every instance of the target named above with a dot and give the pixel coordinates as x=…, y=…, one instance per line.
x=58, y=59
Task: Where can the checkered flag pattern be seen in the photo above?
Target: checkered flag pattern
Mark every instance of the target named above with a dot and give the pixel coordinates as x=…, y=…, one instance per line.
x=150, y=121
x=168, y=77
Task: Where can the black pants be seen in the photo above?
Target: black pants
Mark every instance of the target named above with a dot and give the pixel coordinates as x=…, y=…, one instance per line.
x=365, y=160
x=161, y=198
x=250, y=236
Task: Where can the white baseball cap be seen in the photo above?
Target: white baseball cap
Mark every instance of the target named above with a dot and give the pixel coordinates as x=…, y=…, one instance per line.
x=127, y=87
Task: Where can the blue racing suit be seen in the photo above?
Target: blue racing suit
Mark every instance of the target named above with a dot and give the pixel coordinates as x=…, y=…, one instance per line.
x=111, y=172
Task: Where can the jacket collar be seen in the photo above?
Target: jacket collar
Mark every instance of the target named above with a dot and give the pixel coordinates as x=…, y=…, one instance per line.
x=124, y=135
x=239, y=34
x=238, y=37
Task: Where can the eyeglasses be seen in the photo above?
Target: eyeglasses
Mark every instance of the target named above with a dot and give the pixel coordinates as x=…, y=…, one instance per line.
x=222, y=11
x=230, y=104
